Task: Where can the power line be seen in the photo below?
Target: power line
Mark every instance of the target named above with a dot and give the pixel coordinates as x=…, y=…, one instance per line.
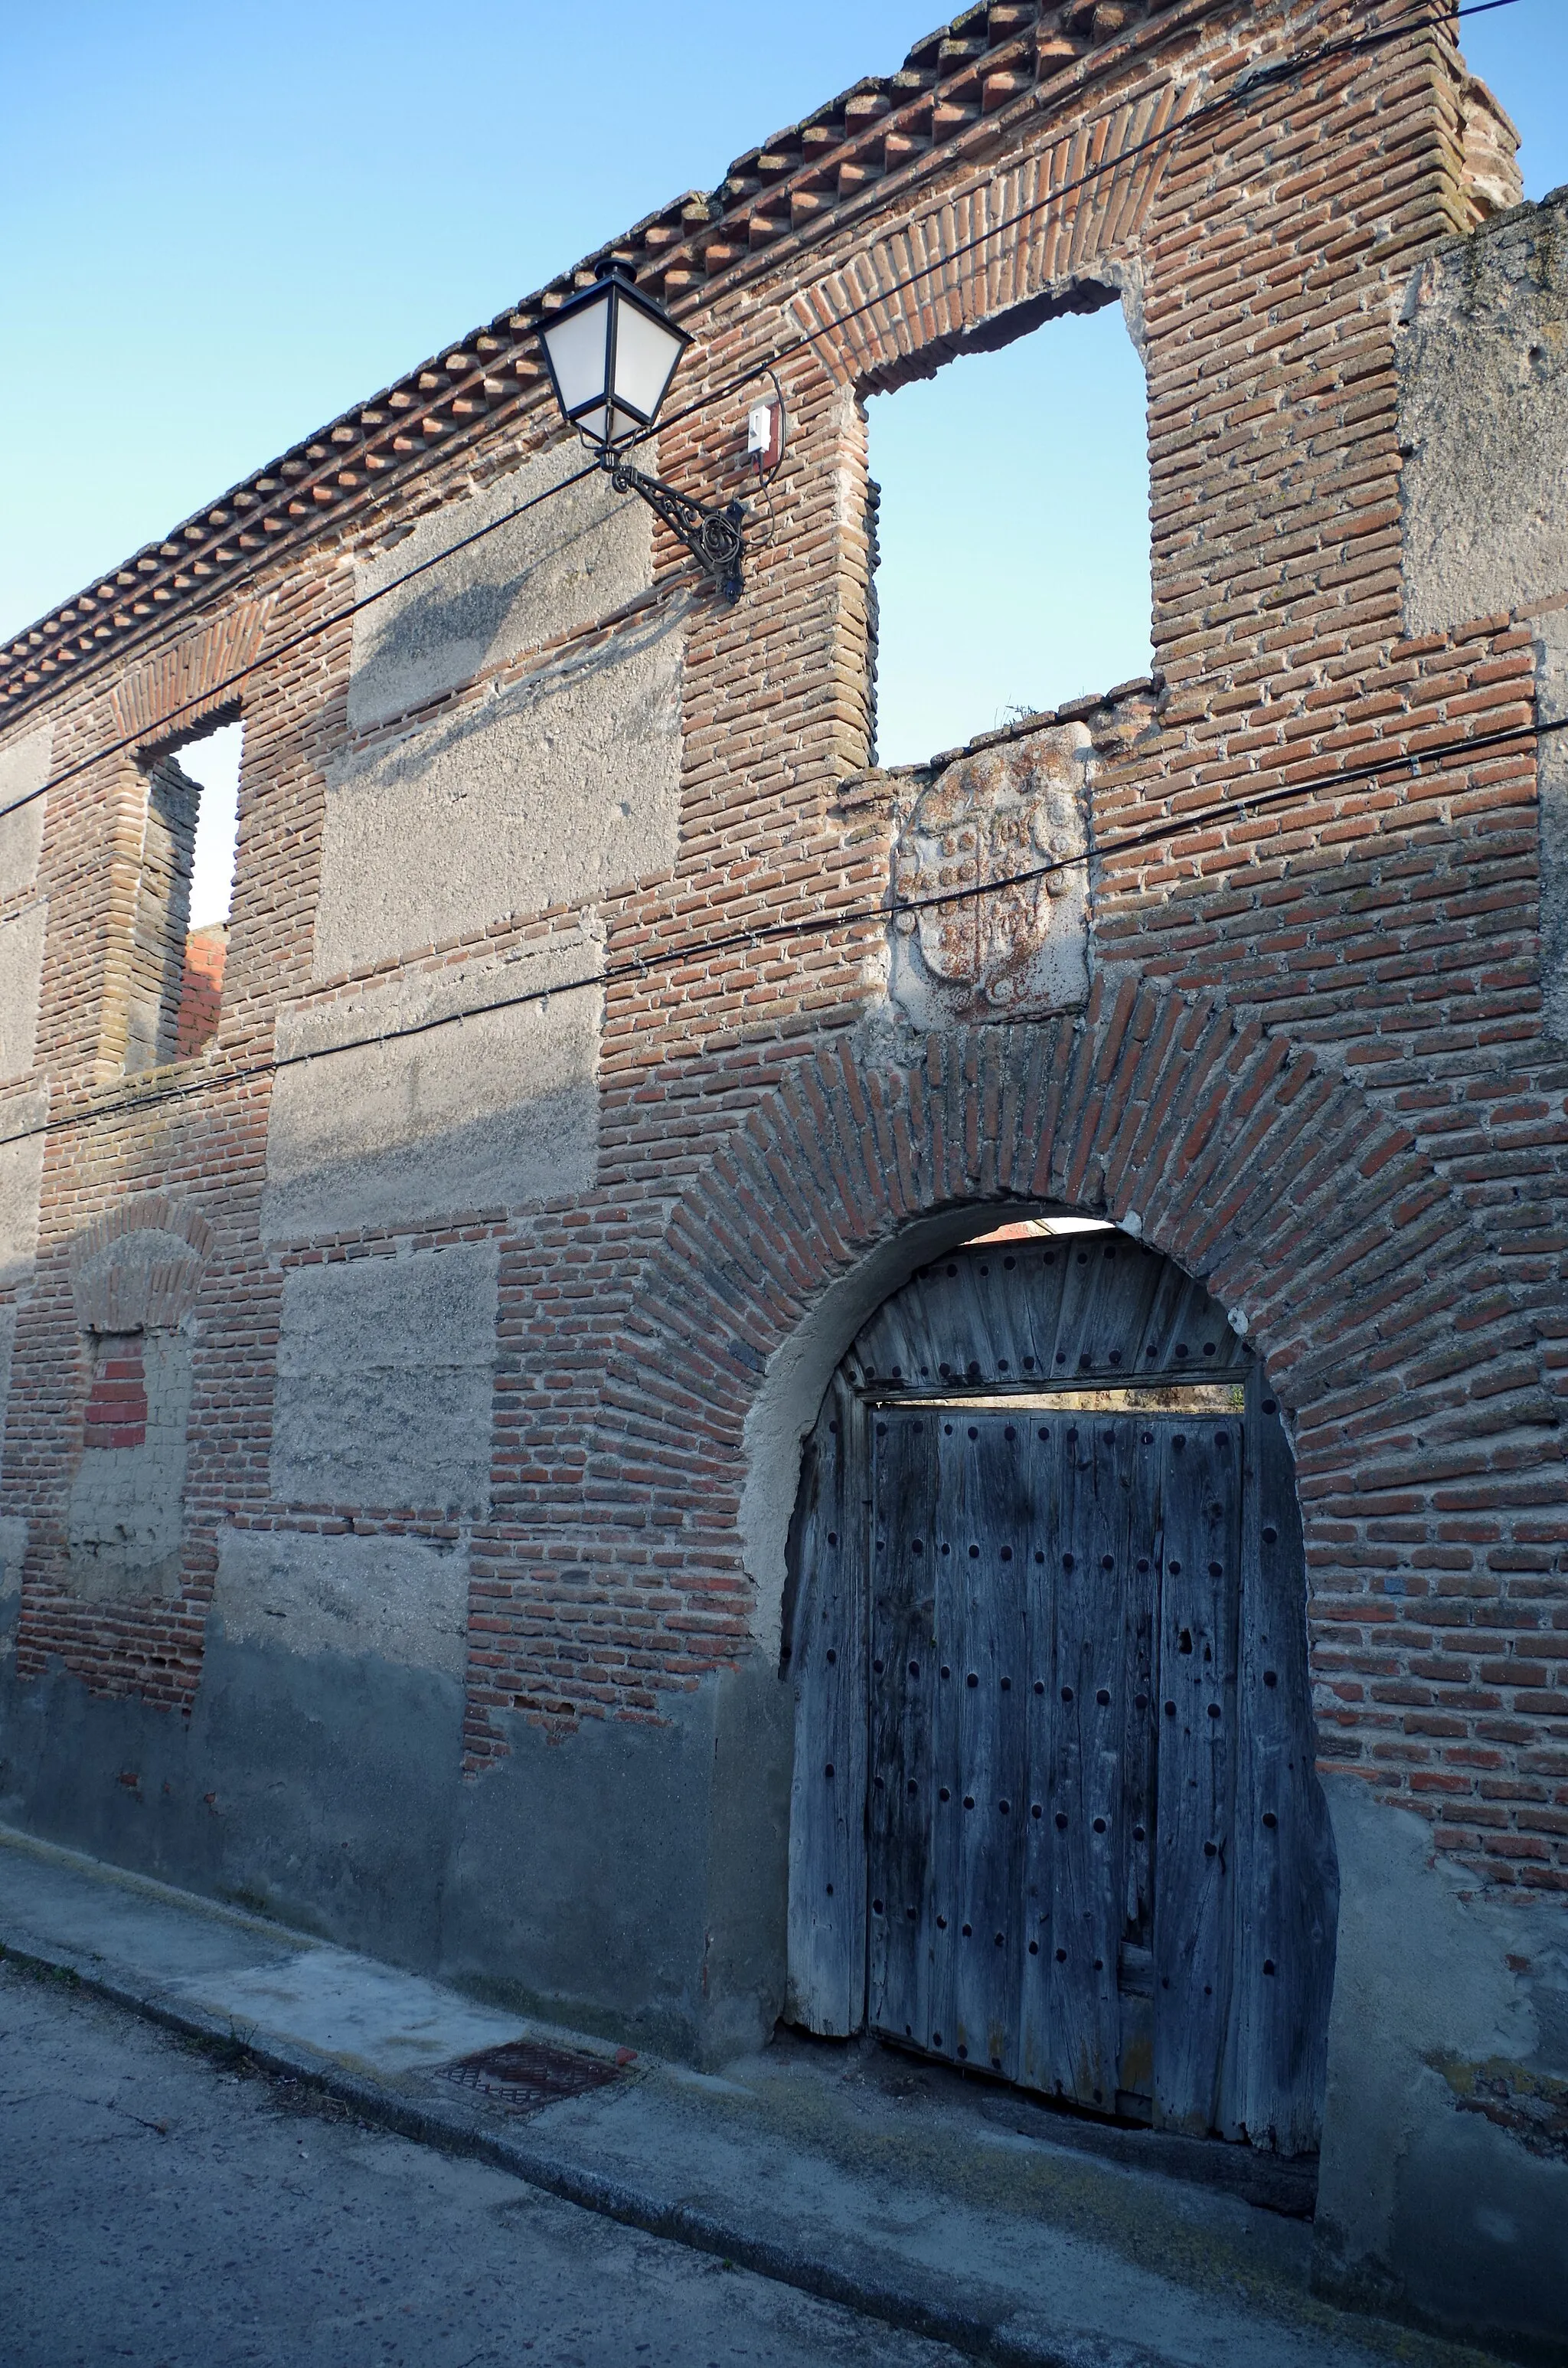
x=1246, y=86
x=640, y=967
x=298, y=641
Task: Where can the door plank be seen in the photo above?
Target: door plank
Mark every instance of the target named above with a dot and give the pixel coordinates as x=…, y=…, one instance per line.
x=825, y=1990
x=904, y=1622
x=1140, y=1738
x=1287, y=1880
x=989, y=1460
x=1043, y=1548
x=1196, y=1766
x=1087, y=1835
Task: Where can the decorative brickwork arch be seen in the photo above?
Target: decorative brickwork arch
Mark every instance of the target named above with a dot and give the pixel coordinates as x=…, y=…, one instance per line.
x=191, y=683
x=139, y=1267
x=904, y=302
x=1311, y=1215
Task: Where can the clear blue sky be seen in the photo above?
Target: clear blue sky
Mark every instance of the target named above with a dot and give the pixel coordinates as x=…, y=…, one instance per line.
x=225, y=221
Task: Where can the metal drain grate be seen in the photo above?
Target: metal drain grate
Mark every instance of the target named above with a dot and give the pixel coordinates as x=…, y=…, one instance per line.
x=523, y=2076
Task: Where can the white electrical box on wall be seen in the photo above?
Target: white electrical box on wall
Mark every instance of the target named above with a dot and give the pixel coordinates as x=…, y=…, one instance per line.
x=764, y=435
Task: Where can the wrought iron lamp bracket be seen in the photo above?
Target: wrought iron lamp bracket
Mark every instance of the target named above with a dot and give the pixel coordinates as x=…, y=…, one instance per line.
x=716, y=539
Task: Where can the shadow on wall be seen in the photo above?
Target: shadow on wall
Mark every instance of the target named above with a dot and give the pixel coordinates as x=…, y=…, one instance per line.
x=526, y=580
x=549, y=790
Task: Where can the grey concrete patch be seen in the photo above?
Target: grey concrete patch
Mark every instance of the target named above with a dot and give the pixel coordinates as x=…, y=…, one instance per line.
x=334, y=1779
x=1552, y=774
x=493, y=1103
x=1423, y=2206
x=575, y=558
x=385, y=1377
x=366, y=2016
x=21, y=974
x=1482, y=363
x=548, y=793
x=24, y=770
x=404, y=1599
x=630, y=1878
x=22, y=1181
x=320, y=1789
x=127, y=1513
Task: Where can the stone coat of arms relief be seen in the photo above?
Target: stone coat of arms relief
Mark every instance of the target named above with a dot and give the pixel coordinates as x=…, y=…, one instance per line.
x=991, y=885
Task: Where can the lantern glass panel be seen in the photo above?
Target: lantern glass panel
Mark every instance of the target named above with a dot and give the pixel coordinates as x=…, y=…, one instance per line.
x=579, y=353
x=591, y=423
x=646, y=352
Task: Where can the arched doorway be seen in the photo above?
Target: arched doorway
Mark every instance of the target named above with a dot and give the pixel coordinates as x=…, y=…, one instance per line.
x=1054, y=1811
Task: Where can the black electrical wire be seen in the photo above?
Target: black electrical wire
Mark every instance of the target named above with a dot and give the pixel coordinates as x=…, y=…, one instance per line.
x=1248, y=84
x=298, y=641
x=1253, y=80
x=747, y=940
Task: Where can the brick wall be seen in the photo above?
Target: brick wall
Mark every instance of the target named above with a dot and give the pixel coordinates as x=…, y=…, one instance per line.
x=1311, y=1064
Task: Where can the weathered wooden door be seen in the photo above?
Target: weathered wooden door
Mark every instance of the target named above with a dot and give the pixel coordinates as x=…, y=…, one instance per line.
x=1055, y=1814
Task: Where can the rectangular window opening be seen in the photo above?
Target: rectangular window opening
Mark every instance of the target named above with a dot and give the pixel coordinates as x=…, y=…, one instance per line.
x=187, y=881
x=1008, y=526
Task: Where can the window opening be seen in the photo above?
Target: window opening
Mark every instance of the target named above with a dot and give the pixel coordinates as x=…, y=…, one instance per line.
x=182, y=907
x=1009, y=531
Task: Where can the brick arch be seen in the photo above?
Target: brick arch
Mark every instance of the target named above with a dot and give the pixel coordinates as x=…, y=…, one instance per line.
x=190, y=684
x=1075, y=230
x=139, y=1266
x=1253, y=1164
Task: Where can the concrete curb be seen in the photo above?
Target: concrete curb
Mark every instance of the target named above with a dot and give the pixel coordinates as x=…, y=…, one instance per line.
x=977, y=2335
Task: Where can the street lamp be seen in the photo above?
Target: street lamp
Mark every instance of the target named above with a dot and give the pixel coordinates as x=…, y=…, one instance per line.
x=611, y=353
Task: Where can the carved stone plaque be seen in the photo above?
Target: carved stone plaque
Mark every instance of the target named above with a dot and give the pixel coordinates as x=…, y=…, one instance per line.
x=991, y=885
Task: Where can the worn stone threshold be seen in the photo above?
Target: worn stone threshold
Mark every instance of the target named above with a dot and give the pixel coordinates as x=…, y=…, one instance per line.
x=1264, y=2179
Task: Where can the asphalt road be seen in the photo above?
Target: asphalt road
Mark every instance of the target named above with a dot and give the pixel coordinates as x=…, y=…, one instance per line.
x=161, y=2207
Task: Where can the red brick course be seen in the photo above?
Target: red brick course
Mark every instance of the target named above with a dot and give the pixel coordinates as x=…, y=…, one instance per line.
x=117, y=1405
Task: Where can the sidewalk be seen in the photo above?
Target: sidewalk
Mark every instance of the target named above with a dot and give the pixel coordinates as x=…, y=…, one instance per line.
x=944, y=2206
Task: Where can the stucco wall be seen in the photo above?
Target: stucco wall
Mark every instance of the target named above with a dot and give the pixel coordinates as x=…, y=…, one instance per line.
x=23, y=769
x=21, y=972
x=21, y=1178
x=541, y=793
x=403, y=1599
x=569, y=562
x=471, y=1087
x=385, y=1374
x=1482, y=361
